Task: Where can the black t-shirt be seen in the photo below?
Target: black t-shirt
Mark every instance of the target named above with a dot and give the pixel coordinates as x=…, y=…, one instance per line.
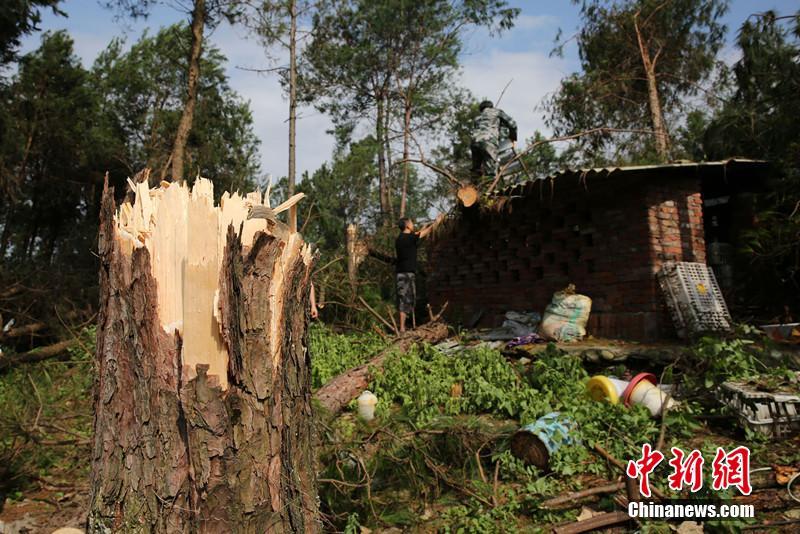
x=406, y=249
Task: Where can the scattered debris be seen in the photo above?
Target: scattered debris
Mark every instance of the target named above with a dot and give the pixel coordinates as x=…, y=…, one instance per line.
x=595, y=522
x=528, y=339
x=606, y=388
x=566, y=316
x=515, y=325
x=784, y=333
x=572, y=497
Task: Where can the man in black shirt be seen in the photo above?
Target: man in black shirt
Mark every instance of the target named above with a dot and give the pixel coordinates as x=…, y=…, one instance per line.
x=406, y=265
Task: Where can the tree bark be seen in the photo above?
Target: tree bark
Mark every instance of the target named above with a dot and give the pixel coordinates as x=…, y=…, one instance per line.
x=406, y=163
x=654, y=101
x=383, y=183
x=292, y=108
x=224, y=445
x=185, y=124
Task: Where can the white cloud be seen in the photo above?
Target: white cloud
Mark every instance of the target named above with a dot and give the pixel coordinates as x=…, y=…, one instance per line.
x=270, y=106
x=535, y=22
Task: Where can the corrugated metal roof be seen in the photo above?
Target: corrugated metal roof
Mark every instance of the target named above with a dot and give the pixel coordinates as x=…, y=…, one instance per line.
x=608, y=171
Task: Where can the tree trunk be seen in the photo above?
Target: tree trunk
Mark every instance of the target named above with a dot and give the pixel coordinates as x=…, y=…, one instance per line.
x=202, y=396
x=657, y=118
x=292, y=108
x=654, y=102
x=383, y=183
x=185, y=124
x=406, y=136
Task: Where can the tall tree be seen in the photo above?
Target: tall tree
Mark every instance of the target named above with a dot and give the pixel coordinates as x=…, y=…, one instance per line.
x=430, y=48
x=639, y=59
x=143, y=102
x=369, y=57
x=203, y=14
x=19, y=18
x=759, y=120
x=276, y=23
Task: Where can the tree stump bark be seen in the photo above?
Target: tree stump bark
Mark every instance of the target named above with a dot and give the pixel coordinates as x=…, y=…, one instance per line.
x=202, y=399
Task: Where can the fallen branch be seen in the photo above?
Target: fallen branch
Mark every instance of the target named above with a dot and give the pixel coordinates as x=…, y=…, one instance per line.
x=607, y=455
x=28, y=329
x=377, y=315
x=576, y=495
x=598, y=521
x=38, y=354
x=435, y=317
x=339, y=391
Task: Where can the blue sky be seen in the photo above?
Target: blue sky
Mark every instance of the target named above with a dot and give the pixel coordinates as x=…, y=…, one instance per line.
x=521, y=55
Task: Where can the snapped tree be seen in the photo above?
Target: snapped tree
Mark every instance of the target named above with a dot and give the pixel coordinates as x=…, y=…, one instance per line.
x=640, y=61
x=202, y=407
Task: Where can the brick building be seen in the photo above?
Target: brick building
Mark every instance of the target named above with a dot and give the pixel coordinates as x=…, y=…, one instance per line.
x=608, y=231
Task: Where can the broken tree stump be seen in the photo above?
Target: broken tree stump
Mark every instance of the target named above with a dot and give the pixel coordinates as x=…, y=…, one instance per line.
x=202, y=396
x=339, y=391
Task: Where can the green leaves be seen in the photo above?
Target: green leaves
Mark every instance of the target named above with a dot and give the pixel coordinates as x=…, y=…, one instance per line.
x=332, y=354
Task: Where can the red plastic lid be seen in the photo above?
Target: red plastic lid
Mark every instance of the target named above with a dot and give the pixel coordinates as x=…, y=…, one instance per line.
x=626, y=395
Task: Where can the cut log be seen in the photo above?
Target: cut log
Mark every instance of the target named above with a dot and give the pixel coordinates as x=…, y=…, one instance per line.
x=339, y=391
x=594, y=523
x=467, y=195
x=572, y=498
x=202, y=399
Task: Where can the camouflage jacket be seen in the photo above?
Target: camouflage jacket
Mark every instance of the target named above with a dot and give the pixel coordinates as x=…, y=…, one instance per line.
x=487, y=126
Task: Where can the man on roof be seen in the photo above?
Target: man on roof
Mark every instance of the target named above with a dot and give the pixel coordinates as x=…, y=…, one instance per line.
x=491, y=126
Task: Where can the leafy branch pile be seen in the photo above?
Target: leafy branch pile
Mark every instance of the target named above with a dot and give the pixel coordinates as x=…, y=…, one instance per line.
x=438, y=452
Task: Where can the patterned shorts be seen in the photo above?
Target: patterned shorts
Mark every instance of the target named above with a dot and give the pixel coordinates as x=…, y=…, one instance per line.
x=406, y=292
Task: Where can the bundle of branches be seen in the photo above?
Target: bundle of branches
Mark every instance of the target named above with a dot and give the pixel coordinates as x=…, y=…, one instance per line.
x=396, y=468
x=42, y=313
x=46, y=422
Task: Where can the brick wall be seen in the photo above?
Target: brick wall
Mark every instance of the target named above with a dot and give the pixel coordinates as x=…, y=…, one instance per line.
x=607, y=235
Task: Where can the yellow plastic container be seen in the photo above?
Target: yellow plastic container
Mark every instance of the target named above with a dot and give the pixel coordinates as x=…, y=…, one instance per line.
x=603, y=388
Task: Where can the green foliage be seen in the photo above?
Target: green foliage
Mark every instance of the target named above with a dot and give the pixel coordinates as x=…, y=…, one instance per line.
x=19, y=18
x=758, y=120
x=46, y=421
x=421, y=381
x=332, y=353
x=681, y=37
x=143, y=93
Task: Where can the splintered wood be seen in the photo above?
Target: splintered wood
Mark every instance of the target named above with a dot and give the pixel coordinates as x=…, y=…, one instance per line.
x=185, y=234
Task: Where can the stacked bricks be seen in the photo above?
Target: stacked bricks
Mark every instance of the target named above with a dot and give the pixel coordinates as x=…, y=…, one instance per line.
x=608, y=235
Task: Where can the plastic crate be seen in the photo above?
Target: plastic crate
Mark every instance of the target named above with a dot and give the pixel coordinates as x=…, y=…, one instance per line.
x=693, y=298
x=776, y=415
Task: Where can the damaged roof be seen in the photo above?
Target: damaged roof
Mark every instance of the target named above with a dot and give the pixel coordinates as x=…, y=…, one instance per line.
x=699, y=166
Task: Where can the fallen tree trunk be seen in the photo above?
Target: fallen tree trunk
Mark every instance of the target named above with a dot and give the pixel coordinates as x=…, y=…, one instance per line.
x=339, y=391
x=202, y=397
x=38, y=354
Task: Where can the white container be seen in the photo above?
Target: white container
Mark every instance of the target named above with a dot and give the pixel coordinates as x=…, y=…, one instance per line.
x=650, y=396
x=366, y=405
x=776, y=415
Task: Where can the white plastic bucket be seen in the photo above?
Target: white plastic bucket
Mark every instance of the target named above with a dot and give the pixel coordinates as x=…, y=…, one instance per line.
x=366, y=405
x=651, y=396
